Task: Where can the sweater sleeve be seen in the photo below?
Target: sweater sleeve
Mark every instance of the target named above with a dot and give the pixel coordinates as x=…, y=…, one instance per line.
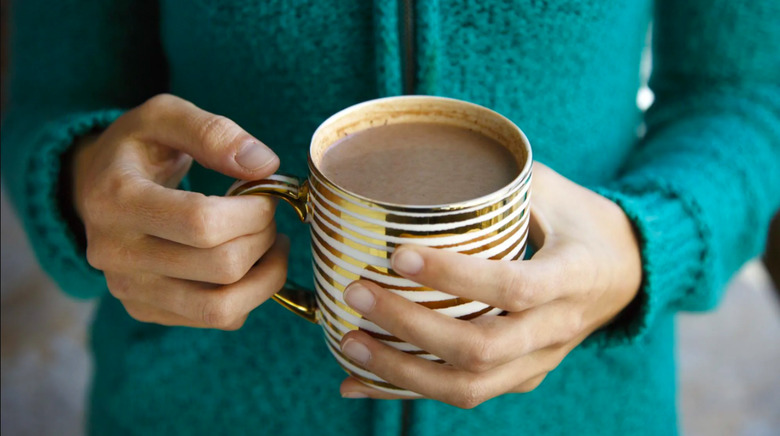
x=704, y=181
x=74, y=65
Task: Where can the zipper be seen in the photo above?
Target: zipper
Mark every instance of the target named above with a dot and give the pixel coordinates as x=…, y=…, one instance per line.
x=407, y=45
x=406, y=416
x=408, y=69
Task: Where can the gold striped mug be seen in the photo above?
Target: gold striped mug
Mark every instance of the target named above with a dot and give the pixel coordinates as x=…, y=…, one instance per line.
x=352, y=237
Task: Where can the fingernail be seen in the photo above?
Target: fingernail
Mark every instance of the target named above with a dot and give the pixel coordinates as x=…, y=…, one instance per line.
x=359, y=298
x=356, y=351
x=254, y=156
x=353, y=395
x=407, y=261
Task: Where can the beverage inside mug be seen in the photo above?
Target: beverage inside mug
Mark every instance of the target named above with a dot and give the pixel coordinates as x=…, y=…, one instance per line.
x=356, y=222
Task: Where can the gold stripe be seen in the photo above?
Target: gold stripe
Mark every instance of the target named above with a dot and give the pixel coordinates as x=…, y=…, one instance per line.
x=384, y=254
x=341, y=320
x=339, y=304
x=387, y=272
x=376, y=335
x=379, y=229
x=340, y=287
x=415, y=352
x=411, y=219
x=319, y=180
x=338, y=269
x=360, y=377
x=352, y=261
x=458, y=231
x=352, y=276
x=411, y=352
x=264, y=182
x=335, y=339
x=520, y=240
x=518, y=220
x=471, y=316
x=342, y=216
x=283, y=188
x=350, y=232
x=436, y=304
x=334, y=327
x=498, y=241
x=444, y=304
x=349, y=242
x=380, y=336
x=351, y=326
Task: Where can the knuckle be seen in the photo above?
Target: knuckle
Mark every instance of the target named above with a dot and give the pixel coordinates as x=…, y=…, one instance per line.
x=480, y=354
x=108, y=255
x=577, y=260
x=531, y=385
x=230, y=266
x=218, y=312
x=104, y=201
x=98, y=203
x=93, y=206
x=95, y=256
x=119, y=189
x=159, y=102
x=201, y=224
x=513, y=294
x=119, y=287
x=215, y=130
x=236, y=325
x=278, y=275
x=100, y=254
x=573, y=326
x=471, y=394
x=139, y=314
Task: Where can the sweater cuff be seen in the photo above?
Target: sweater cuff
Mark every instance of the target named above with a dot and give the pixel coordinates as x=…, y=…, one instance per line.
x=673, y=250
x=53, y=241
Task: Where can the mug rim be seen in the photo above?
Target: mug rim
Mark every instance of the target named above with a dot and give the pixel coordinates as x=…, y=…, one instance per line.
x=372, y=203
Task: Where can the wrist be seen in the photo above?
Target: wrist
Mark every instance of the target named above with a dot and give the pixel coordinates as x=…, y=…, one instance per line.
x=69, y=180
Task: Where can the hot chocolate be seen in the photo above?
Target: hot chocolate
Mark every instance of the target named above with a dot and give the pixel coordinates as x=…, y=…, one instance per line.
x=419, y=164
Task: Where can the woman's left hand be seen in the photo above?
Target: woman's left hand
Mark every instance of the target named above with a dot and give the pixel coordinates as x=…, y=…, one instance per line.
x=587, y=269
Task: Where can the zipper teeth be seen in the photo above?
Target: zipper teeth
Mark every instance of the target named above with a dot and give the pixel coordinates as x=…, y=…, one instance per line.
x=407, y=76
x=407, y=42
x=406, y=416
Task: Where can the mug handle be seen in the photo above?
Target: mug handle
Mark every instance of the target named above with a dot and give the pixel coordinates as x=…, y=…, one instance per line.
x=295, y=191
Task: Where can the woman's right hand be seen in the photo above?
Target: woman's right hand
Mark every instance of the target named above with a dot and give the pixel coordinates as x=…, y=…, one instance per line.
x=175, y=257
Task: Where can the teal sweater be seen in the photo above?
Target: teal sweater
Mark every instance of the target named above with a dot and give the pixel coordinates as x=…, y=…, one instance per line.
x=699, y=175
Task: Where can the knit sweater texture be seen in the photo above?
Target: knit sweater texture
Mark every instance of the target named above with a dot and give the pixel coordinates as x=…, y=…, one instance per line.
x=698, y=174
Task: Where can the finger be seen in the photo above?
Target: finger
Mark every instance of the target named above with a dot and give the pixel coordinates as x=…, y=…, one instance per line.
x=475, y=346
x=353, y=388
x=213, y=306
x=192, y=218
x=214, y=141
x=510, y=285
x=530, y=385
x=149, y=314
x=429, y=379
x=224, y=264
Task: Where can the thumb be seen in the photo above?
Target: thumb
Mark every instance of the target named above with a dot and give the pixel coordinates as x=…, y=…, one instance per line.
x=214, y=141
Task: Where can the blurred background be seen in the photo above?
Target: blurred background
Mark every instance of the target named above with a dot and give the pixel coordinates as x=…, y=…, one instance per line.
x=728, y=359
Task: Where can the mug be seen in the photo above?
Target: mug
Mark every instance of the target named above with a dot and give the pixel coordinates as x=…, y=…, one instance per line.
x=353, y=237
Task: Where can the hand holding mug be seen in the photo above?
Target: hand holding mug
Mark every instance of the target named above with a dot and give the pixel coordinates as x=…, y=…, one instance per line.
x=586, y=271
x=175, y=257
